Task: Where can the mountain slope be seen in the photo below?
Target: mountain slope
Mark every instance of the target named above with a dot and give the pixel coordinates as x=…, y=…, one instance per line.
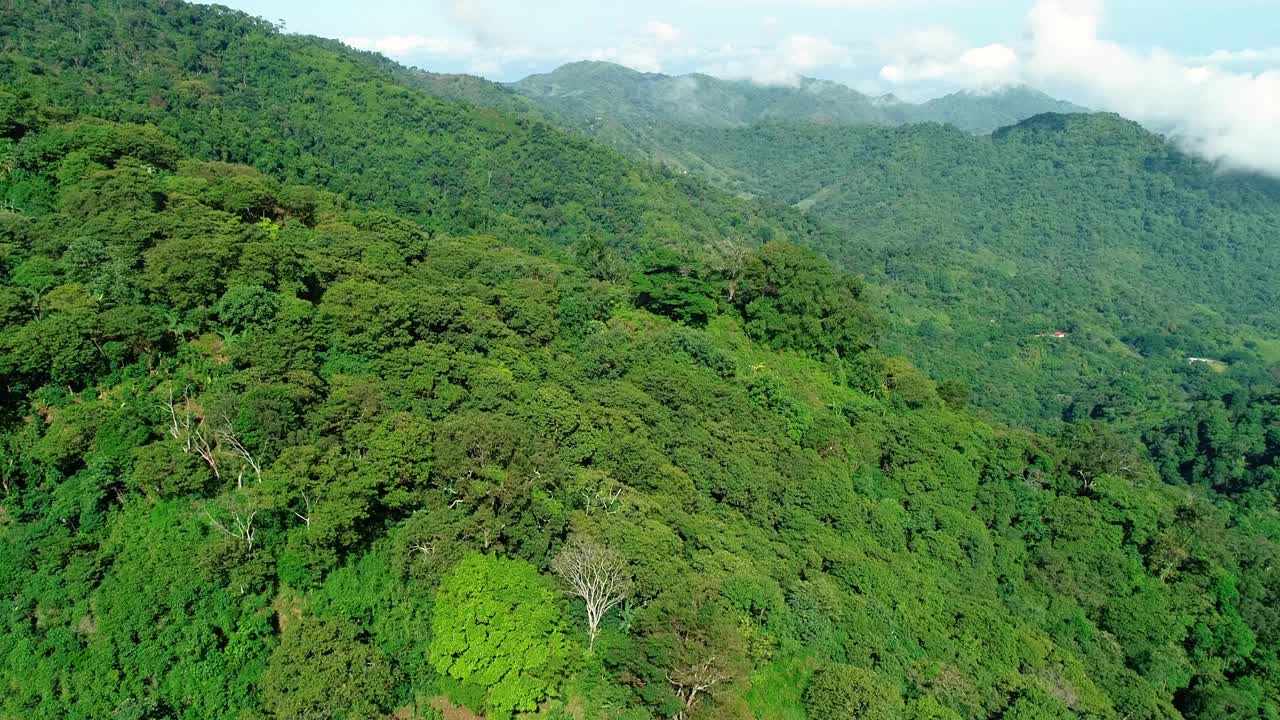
x=984, y=112
x=231, y=88
x=980, y=246
x=607, y=99
x=586, y=89
x=301, y=459
x=1084, y=224
x=270, y=452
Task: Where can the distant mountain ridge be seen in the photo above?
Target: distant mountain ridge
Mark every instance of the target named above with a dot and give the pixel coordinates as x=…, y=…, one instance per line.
x=979, y=242
x=601, y=92
x=985, y=112
x=1090, y=224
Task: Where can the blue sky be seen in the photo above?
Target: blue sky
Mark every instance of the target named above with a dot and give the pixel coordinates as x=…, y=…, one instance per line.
x=1205, y=72
x=848, y=40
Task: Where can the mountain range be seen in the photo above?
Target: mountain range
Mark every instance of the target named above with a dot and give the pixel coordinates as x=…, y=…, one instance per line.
x=607, y=94
x=644, y=114
x=1020, y=216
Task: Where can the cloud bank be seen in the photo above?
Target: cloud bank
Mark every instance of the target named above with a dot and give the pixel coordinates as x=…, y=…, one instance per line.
x=1226, y=116
x=938, y=55
x=1222, y=105
x=796, y=56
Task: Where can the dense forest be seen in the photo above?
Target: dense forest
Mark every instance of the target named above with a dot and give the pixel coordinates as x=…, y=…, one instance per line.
x=405, y=407
x=1083, y=224
x=983, y=249
x=648, y=115
x=604, y=95
x=230, y=88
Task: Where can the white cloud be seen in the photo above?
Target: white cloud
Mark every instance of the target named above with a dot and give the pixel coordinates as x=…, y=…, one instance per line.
x=663, y=32
x=795, y=56
x=1265, y=57
x=478, y=18
x=483, y=44
x=1226, y=117
x=937, y=55
x=636, y=57
x=849, y=4
x=645, y=51
x=403, y=45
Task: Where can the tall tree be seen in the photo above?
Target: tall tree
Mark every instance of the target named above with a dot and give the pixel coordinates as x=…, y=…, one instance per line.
x=596, y=574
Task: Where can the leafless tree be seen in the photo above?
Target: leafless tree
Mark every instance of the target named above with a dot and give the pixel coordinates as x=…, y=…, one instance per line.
x=596, y=574
x=226, y=436
x=190, y=434
x=730, y=260
x=602, y=500
x=203, y=442
x=7, y=473
x=197, y=433
x=488, y=535
x=306, y=519
x=239, y=528
x=179, y=427
x=691, y=682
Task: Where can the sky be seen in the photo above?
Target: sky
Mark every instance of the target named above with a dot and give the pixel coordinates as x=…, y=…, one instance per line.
x=1206, y=72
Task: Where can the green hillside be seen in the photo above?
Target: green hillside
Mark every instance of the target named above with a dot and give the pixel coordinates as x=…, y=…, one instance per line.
x=1085, y=224
x=647, y=114
x=304, y=110
x=584, y=89
x=984, y=112
x=250, y=448
x=982, y=247
x=327, y=398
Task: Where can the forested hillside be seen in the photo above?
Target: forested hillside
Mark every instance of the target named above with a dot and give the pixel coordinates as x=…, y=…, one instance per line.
x=616, y=95
x=648, y=115
x=1083, y=224
x=983, y=112
x=230, y=88
x=311, y=439
x=257, y=437
x=983, y=249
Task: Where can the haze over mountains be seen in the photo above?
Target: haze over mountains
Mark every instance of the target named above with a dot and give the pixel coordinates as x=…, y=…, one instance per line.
x=976, y=242
x=643, y=113
x=607, y=93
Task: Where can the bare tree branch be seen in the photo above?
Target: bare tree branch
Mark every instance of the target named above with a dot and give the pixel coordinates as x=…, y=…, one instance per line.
x=730, y=261
x=596, y=574
x=226, y=435
x=692, y=681
x=241, y=527
x=306, y=519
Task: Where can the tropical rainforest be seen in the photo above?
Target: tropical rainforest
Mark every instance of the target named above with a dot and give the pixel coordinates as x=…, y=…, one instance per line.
x=983, y=247
x=648, y=114
x=335, y=389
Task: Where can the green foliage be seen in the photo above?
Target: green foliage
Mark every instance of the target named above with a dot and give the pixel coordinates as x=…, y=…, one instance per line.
x=645, y=114
x=927, y=708
x=379, y=406
x=983, y=247
x=667, y=286
x=268, y=451
x=348, y=121
x=792, y=299
x=324, y=669
x=497, y=625
x=844, y=691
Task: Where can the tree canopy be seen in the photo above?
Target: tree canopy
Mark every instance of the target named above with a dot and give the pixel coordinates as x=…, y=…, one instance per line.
x=293, y=440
